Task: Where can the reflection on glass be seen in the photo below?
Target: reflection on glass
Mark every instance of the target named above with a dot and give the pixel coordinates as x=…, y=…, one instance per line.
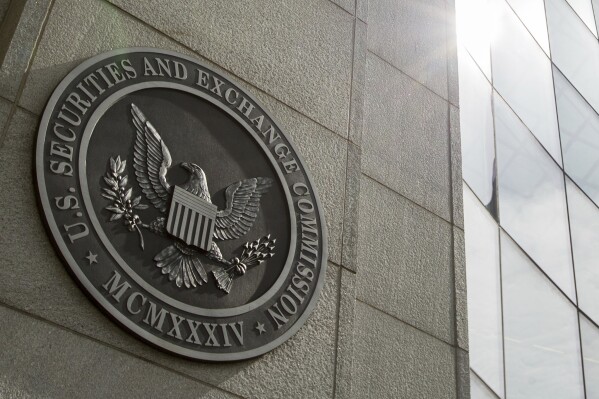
x=542, y=349
x=574, y=49
x=474, y=30
x=532, y=198
x=532, y=14
x=589, y=334
x=584, y=9
x=522, y=75
x=478, y=390
x=484, y=292
x=476, y=128
x=584, y=226
x=579, y=129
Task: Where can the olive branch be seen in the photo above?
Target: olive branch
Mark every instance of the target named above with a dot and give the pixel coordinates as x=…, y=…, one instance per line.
x=121, y=196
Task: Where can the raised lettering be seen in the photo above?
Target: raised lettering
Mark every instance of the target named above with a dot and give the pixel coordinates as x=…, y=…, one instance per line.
x=217, y=85
x=128, y=68
x=131, y=300
x=175, y=331
x=155, y=319
x=74, y=237
x=62, y=135
x=277, y=316
x=114, y=288
x=193, y=335
x=210, y=329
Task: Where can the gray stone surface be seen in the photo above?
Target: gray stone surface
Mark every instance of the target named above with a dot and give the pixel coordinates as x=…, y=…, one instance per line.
x=40, y=359
x=21, y=47
x=461, y=307
x=405, y=261
x=33, y=279
x=452, y=55
x=345, y=335
x=5, y=107
x=462, y=374
x=100, y=27
x=362, y=10
x=411, y=36
x=325, y=156
x=347, y=5
x=356, y=122
x=406, y=138
x=456, y=167
x=351, y=215
x=394, y=360
x=3, y=8
x=297, y=51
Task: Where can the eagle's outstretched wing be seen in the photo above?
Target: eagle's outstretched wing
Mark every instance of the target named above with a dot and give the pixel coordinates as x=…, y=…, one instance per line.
x=151, y=160
x=243, y=202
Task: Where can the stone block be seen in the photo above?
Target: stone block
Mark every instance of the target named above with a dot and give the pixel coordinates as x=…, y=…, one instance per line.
x=347, y=5
x=452, y=55
x=297, y=51
x=356, y=121
x=100, y=27
x=5, y=107
x=394, y=360
x=406, y=138
x=40, y=359
x=351, y=215
x=411, y=36
x=405, y=262
x=462, y=374
x=461, y=307
x=3, y=9
x=456, y=167
x=325, y=156
x=362, y=10
x=345, y=335
x=21, y=47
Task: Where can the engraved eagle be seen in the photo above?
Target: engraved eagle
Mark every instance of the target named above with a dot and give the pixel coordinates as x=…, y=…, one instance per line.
x=152, y=160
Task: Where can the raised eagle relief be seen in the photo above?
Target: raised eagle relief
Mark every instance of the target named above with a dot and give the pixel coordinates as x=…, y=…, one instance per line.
x=193, y=221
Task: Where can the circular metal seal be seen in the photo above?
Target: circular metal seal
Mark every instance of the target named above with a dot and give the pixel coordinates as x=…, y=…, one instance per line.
x=179, y=205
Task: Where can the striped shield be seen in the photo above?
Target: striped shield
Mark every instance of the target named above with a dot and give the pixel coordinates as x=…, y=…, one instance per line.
x=191, y=219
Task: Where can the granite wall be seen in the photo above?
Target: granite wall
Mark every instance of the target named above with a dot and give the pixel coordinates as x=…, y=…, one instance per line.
x=367, y=92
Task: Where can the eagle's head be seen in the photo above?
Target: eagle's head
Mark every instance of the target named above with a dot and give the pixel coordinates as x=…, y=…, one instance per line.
x=197, y=183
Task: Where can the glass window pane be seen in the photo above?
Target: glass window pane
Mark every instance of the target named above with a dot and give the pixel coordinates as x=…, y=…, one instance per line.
x=532, y=198
x=574, y=49
x=589, y=334
x=484, y=292
x=474, y=31
x=542, y=346
x=522, y=75
x=579, y=129
x=584, y=225
x=584, y=9
x=532, y=14
x=478, y=390
x=476, y=128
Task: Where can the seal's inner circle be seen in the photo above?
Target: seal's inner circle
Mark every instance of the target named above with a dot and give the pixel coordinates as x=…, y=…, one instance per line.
x=210, y=152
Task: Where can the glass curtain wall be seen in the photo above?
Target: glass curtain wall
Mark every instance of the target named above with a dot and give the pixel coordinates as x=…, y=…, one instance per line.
x=529, y=113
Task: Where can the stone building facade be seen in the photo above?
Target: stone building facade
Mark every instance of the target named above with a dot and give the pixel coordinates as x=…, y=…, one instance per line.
x=367, y=91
